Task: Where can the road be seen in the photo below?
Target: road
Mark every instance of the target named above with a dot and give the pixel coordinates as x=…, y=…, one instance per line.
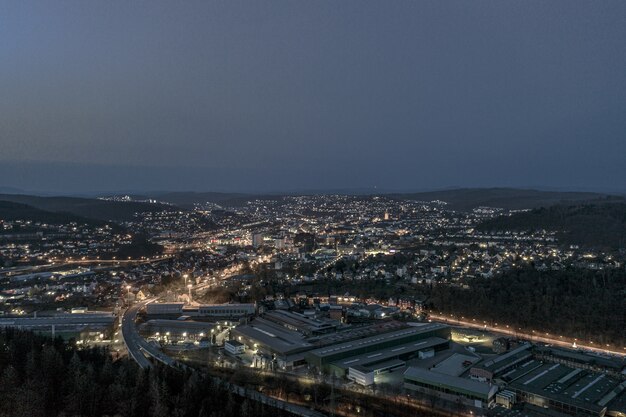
x=137, y=348
x=533, y=336
x=101, y=263
x=132, y=340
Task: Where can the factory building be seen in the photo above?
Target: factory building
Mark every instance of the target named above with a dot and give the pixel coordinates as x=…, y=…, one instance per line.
x=177, y=329
x=487, y=371
x=164, y=309
x=301, y=323
x=382, y=343
x=388, y=359
x=221, y=310
x=200, y=310
x=234, y=347
x=567, y=390
x=272, y=339
x=453, y=388
x=78, y=324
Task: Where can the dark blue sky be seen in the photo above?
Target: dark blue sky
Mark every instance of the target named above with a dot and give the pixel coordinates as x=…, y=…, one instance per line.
x=286, y=95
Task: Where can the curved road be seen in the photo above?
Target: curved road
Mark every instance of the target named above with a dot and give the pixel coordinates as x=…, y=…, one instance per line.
x=133, y=341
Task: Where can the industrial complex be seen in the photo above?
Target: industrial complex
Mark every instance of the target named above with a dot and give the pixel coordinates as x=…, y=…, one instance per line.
x=419, y=357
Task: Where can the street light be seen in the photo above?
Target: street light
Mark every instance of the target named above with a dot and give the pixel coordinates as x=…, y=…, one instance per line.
x=190, y=287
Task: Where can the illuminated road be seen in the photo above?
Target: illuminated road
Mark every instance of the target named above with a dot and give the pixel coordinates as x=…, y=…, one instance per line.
x=533, y=336
x=102, y=263
x=132, y=340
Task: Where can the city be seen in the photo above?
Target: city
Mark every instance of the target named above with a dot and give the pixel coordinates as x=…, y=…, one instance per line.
x=324, y=208
x=330, y=290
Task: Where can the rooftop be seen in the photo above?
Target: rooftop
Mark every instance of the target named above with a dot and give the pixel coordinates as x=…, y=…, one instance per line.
x=389, y=353
x=273, y=336
x=435, y=378
x=384, y=337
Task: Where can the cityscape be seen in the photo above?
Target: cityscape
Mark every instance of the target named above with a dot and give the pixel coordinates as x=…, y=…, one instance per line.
x=318, y=292
x=315, y=209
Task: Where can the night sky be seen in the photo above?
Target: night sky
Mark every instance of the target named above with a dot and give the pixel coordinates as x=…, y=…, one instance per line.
x=311, y=95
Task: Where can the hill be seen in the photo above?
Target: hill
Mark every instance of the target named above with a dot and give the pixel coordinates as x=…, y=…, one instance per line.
x=88, y=207
x=599, y=224
x=17, y=211
x=466, y=199
x=581, y=304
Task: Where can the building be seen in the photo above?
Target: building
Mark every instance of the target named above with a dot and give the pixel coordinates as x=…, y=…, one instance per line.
x=164, y=309
x=323, y=358
x=453, y=388
x=390, y=358
x=221, y=310
x=234, y=347
x=302, y=323
x=200, y=310
x=273, y=340
x=177, y=329
x=257, y=240
x=590, y=362
x=487, y=371
x=567, y=390
x=71, y=324
x=361, y=375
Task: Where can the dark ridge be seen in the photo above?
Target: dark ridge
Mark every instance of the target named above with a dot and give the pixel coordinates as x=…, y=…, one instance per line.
x=466, y=199
x=87, y=207
x=598, y=224
x=10, y=211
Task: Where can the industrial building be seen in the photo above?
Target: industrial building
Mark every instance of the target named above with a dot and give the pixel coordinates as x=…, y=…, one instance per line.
x=301, y=323
x=568, y=390
x=288, y=346
x=328, y=358
x=587, y=361
x=177, y=328
x=467, y=391
x=200, y=310
x=388, y=359
x=164, y=309
x=234, y=347
x=61, y=323
x=487, y=371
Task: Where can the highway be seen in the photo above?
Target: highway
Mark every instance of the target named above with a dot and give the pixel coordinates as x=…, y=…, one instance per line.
x=138, y=347
x=533, y=336
x=132, y=340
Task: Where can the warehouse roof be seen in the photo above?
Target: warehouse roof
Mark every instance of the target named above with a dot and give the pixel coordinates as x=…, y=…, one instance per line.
x=459, y=384
x=273, y=336
x=372, y=340
x=389, y=353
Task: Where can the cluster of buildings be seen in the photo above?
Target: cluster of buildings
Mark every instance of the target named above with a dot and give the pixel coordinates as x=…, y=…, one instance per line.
x=24, y=242
x=421, y=357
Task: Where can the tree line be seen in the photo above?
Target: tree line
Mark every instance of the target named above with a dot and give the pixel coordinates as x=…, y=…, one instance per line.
x=575, y=303
x=42, y=377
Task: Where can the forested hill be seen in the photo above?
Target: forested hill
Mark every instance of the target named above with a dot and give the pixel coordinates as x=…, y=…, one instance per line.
x=16, y=211
x=598, y=225
x=576, y=303
x=43, y=377
x=88, y=207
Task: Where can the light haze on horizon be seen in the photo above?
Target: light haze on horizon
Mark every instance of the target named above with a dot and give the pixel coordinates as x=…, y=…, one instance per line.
x=296, y=95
